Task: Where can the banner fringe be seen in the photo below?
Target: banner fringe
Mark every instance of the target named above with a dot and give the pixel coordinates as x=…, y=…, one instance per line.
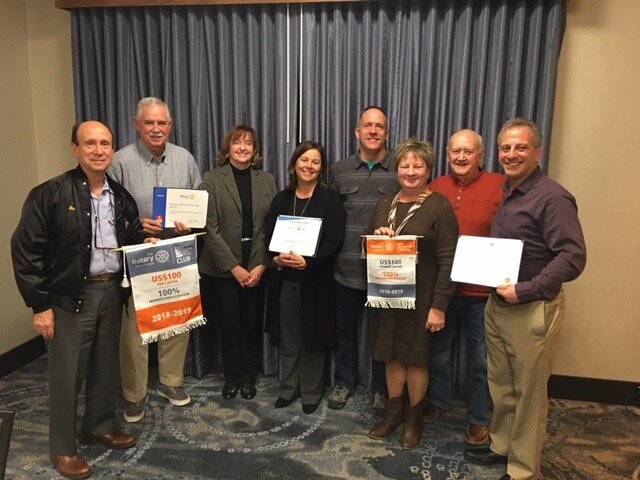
x=391, y=303
x=178, y=330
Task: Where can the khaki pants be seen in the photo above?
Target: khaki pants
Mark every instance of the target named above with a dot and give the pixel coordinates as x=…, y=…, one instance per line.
x=519, y=340
x=134, y=358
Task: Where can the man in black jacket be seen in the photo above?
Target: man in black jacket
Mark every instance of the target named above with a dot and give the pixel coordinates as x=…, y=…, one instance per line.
x=68, y=274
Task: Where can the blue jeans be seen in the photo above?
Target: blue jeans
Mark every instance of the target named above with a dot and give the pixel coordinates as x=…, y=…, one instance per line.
x=468, y=312
x=349, y=310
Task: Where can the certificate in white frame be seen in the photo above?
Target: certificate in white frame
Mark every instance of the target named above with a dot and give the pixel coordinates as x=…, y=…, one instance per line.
x=296, y=234
x=487, y=261
x=172, y=205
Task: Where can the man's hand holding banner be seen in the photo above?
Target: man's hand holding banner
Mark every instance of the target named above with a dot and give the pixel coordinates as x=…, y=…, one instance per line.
x=165, y=286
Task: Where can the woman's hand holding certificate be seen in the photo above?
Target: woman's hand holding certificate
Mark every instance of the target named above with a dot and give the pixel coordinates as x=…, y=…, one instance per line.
x=291, y=260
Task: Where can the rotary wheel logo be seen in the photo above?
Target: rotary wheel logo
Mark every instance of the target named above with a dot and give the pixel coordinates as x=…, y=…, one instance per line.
x=388, y=246
x=162, y=256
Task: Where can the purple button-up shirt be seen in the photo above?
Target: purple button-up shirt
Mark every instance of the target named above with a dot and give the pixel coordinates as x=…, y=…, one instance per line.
x=544, y=215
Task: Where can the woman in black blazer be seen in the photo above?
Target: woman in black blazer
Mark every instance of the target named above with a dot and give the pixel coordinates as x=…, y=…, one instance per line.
x=234, y=257
x=301, y=297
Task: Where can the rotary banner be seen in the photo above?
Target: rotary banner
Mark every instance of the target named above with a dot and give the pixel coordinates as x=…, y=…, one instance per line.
x=391, y=271
x=165, y=288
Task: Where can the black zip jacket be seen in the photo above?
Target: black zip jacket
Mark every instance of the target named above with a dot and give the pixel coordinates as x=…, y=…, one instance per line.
x=51, y=246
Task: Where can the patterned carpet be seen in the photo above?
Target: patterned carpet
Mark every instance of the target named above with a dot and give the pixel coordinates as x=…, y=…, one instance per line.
x=239, y=439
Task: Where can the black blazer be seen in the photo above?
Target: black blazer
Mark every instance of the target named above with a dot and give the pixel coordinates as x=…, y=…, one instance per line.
x=317, y=285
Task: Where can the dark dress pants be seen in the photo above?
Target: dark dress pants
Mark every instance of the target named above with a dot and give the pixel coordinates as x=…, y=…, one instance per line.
x=302, y=366
x=84, y=348
x=239, y=312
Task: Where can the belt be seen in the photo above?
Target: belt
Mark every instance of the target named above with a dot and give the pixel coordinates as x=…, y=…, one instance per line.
x=246, y=239
x=105, y=277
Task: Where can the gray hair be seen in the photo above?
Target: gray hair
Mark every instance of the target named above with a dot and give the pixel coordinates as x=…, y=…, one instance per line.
x=522, y=122
x=149, y=101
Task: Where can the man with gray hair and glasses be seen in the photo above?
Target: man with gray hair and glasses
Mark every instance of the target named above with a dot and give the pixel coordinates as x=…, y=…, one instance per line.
x=151, y=162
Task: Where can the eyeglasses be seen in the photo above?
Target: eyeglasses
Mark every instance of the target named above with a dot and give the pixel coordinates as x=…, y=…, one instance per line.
x=159, y=123
x=101, y=240
x=98, y=237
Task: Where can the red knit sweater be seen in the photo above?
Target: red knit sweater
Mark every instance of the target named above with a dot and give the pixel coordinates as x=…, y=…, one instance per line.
x=475, y=205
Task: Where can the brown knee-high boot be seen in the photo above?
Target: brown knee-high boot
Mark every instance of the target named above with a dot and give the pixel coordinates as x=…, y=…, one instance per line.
x=391, y=420
x=412, y=427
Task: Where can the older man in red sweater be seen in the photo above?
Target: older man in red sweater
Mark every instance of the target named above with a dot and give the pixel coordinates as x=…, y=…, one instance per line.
x=474, y=194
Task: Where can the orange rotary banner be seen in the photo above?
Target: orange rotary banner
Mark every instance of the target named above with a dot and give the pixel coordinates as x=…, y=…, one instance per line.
x=391, y=271
x=165, y=287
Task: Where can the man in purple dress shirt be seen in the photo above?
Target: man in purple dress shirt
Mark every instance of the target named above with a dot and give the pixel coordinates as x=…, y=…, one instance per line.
x=522, y=319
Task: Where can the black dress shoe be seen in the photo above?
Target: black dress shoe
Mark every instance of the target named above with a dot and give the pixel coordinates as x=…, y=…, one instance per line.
x=230, y=390
x=282, y=402
x=506, y=476
x=484, y=456
x=248, y=391
x=309, y=408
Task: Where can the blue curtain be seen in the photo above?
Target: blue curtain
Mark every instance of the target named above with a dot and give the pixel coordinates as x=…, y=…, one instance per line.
x=434, y=66
x=214, y=66
x=306, y=71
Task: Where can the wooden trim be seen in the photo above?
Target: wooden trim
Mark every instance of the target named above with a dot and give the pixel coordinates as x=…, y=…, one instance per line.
x=594, y=390
x=21, y=355
x=67, y=4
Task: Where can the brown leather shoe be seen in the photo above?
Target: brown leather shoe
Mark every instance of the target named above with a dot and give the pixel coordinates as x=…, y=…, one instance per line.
x=412, y=428
x=115, y=439
x=477, y=434
x=391, y=420
x=71, y=467
x=431, y=413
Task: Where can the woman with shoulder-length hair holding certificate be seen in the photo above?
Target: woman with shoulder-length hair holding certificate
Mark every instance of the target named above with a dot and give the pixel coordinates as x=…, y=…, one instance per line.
x=306, y=216
x=402, y=325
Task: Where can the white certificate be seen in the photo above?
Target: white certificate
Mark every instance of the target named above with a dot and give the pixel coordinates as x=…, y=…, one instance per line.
x=297, y=234
x=487, y=261
x=172, y=205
